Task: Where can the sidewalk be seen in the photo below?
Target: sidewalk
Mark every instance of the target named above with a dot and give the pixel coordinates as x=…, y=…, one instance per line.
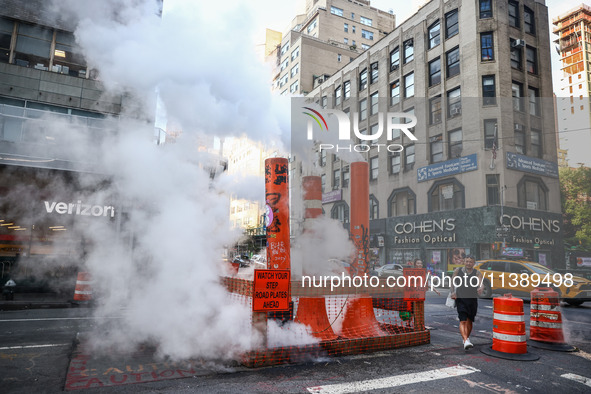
x=36, y=301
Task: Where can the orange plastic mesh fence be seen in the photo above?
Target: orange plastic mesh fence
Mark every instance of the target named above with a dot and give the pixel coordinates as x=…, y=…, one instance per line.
x=324, y=323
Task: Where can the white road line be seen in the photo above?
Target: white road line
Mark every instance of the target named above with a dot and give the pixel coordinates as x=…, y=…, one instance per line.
x=577, y=378
x=59, y=318
x=34, y=346
x=393, y=381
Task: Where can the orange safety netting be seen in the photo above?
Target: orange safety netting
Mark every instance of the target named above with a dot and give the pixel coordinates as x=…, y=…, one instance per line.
x=321, y=322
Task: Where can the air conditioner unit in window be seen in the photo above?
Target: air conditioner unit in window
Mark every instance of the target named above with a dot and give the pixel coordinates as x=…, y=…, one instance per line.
x=518, y=127
x=320, y=80
x=518, y=44
x=456, y=111
x=394, y=68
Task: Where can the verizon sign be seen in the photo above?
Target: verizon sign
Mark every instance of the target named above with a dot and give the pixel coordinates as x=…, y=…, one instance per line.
x=78, y=208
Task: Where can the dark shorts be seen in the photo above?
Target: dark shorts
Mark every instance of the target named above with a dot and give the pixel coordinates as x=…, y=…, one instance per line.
x=467, y=308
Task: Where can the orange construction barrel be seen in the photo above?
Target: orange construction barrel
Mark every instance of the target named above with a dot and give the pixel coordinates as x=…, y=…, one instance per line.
x=545, y=326
x=83, y=290
x=509, y=340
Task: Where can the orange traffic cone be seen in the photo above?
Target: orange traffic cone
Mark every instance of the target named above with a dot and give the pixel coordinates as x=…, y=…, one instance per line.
x=312, y=313
x=509, y=330
x=83, y=290
x=359, y=320
x=545, y=326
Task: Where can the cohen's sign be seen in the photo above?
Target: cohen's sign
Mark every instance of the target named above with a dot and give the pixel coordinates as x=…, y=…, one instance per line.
x=78, y=208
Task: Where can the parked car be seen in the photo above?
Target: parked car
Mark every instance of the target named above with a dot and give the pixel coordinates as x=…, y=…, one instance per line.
x=520, y=278
x=242, y=260
x=389, y=270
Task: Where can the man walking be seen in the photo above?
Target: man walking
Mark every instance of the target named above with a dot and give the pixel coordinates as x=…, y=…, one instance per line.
x=466, y=296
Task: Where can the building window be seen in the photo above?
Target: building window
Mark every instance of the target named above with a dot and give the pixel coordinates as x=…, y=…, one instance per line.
x=33, y=46
x=336, y=179
x=374, y=207
x=435, y=110
x=394, y=92
x=534, y=105
x=340, y=212
x=284, y=49
x=408, y=51
x=455, y=143
x=353, y=43
x=486, y=47
x=368, y=35
x=363, y=79
x=347, y=89
x=486, y=9
x=294, y=87
x=516, y=53
x=294, y=70
x=394, y=158
x=312, y=26
x=489, y=91
x=446, y=195
x=323, y=182
x=374, y=101
x=373, y=130
x=395, y=59
x=353, y=15
x=346, y=177
x=532, y=193
x=6, y=27
x=336, y=11
x=517, y=93
x=451, y=24
x=363, y=109
x=490, y=133
x=492, y=190
x=453, y=62
x=436, y=145
x=284, y=64
x=373, y=168
x=365, y=47
x=346, y=41
x=536, y=143
x=324, y=103
x=435, y=72
x=283, y=80
x=402, y=203
x=531, y=60
x=353, y=29
x=295, y=53
x=374, y=73
x=409, y=85
x=409, y=157
x=366, y=21
x=519, y=133
x=434, y=34
x=514, y=14
x=454, y=103
x=322, y=158
x=529, y=21
x=346, y=28
x=337, y=95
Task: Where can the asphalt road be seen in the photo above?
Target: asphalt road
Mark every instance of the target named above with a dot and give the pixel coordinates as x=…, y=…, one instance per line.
x=39, y=353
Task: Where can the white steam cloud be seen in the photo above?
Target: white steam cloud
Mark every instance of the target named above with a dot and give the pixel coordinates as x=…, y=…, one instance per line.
x=160, y=263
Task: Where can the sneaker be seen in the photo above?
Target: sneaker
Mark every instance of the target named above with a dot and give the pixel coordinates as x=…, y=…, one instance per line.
x=468, y=344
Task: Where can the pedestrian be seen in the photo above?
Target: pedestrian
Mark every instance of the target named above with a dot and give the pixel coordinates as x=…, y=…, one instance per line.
x=418, y=263
x=8, y=290
x=466, y=296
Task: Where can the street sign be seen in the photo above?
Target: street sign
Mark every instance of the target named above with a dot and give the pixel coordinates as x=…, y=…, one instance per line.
x=271, y=290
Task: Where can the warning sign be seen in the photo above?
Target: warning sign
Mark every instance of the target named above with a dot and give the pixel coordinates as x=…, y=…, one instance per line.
x=271, y=290
x=416, y=284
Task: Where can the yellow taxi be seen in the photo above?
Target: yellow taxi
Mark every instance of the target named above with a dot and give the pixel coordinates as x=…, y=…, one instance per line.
x=520, y=278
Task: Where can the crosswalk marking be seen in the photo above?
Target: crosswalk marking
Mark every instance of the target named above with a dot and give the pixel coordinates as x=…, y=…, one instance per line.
x=577, y=378
x=393, y=381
